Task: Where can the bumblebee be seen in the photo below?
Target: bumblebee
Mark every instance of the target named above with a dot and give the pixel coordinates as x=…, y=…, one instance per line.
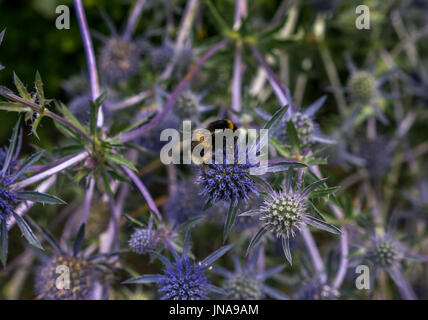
x=212, y=127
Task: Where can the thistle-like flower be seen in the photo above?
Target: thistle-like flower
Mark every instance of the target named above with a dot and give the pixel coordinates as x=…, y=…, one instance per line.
x=161, y=56
x=365, y=90
x=81, y=282
x=285, y=213
x=183, y=279
x=119, y=60
x=227, y=182
x=384, y=252
x=83, y=270
x=303, y=120
x=10, y=173
x=245, y=283
x=143, y=240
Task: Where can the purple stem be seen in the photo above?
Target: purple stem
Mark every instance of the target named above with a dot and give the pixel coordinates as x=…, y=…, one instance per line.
x=279, y=160
x=174, y=95
x=143, y=190
x=314, y=253
x=240, y=12
x=237, y=80
x=278, y=88
x=344, y=247
x=112, y=234
x=90, y=56
x=403, y=285
x=133, y=19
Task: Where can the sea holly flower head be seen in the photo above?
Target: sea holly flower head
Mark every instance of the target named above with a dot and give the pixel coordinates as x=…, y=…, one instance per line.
x=227, y=182
x=143, y=241
x=119, y=60
x=184, y=278
x=307, y=129
x=161, y=56
x=81, y=282
x=285, y=212
x=82, y=268
x=243, y=286
x=246, y=283
x=364, y=89
x=385, y=252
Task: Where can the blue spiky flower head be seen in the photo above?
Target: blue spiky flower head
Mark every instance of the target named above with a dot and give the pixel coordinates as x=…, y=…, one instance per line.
x=161, y=56
x=183, y=279
x=384, y=252
x=364, y=89
x=227, y=182
x=8, y=198
x=143, y=240
x=119, y=59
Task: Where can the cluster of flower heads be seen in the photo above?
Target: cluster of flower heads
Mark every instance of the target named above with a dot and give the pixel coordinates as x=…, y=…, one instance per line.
x=271, y=207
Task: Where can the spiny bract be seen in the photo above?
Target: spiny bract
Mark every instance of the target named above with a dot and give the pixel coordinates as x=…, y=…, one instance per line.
x=184, y=280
